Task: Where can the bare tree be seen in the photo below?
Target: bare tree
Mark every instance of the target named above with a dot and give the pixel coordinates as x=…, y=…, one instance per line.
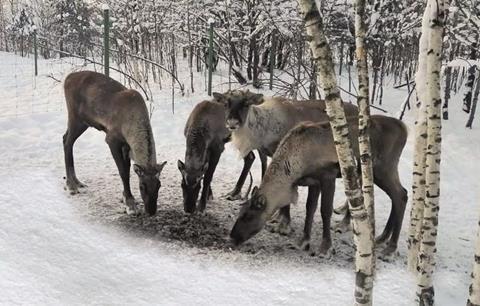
x=474, y=104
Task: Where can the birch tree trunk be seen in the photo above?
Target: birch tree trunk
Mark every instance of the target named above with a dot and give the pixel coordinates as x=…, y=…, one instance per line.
x=362, y=227
x=364, y=114
x=474, y=297
x=419, y=158
x=433, y=30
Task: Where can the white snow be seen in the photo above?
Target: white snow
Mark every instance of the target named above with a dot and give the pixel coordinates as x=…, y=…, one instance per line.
x=57, y=249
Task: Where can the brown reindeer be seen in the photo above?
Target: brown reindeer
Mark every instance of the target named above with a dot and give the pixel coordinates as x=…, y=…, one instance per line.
x=94, y=100
x=206, y=135
x=307, y=157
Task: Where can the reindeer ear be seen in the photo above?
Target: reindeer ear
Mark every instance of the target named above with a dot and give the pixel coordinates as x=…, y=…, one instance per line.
x=254, y=191
x=262, y=201
x=205, y=167
x=180, y=165
x=138, y=170
x=160, y=167
x=220, y=98
x=259, y=203
x=255, y=99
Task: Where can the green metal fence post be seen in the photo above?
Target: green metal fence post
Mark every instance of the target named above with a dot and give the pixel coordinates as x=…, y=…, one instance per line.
x=273, y=50
x=106, y=40
x=211, y=22
x=35, y=51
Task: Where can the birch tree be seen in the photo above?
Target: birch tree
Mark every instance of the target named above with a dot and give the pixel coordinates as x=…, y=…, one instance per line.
x=426, y=203
x=364, y=113
x=419, y=159
x=363, y=237
x=474, y=296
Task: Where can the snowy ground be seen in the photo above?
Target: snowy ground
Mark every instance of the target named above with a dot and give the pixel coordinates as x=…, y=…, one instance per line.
x=82, y=249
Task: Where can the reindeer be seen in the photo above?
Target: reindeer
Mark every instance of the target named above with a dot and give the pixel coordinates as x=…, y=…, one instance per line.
x=260, y=123
x=94, y=100
x=206, y=135
x=307, y=157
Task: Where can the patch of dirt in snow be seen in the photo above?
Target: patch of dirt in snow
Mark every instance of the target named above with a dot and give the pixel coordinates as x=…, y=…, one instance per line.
x=208, y=232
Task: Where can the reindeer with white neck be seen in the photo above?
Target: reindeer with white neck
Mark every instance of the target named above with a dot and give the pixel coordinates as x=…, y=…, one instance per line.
x=94, y=100
x=259, y=123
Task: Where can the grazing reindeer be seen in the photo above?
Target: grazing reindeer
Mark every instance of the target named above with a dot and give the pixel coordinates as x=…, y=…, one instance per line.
x=206, y=135
x=307, y=157
x=94, y=100
x=259, y=123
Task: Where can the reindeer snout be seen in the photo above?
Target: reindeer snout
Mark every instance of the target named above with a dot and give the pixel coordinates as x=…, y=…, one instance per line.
x=236, y=237
x=232, y=124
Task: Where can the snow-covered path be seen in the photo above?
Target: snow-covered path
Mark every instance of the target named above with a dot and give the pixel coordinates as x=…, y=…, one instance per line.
x=49, y=255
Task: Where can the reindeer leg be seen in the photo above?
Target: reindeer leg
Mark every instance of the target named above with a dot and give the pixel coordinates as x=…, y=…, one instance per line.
x=399, y=202
x=344, y=225
x=341, y=209
x=123, y=164
x=207, y=179
x=210, y=193
x=282, y=221
x=389, y=182
x=311, y=205
x=235, y=194
x=326, y=209
x=263, y=161
x=387, y=231
x=74, y=130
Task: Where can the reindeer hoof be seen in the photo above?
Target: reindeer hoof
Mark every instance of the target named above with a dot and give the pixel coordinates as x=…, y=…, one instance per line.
x=341, y=227
x=341, y=209
x=202, y=209
x=132, y=211
x=131, y=207
x=72, y=187
x=389, y=253
x=304, y=244
x=325, y=250
x=233, y=196
x=381, y=239
x=283, y=228
x=81, y=185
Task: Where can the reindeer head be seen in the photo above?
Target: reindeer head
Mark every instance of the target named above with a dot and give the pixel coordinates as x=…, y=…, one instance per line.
x=191, y=183
x=252, y=218
x=149, y=184
x=236, y=104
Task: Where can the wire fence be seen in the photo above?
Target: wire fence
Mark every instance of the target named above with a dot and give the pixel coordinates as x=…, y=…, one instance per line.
x=32, y=73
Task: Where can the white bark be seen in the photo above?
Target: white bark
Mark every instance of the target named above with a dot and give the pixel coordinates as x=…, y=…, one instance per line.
x=364, y=295
x=419, y=158
x=474, y=297
x=364, y=112
x=362, y=227
x=433, y=103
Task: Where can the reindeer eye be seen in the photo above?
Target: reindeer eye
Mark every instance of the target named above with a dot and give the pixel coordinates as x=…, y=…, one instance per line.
x=247, y=217
x=259, y=204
